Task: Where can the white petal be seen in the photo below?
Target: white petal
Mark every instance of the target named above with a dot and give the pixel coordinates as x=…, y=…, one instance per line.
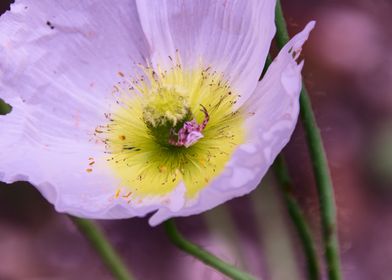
x=275, y=104
x=231, y=36
x=58, y=63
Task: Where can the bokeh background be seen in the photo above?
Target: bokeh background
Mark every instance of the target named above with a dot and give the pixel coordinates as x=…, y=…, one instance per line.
x=348, y=71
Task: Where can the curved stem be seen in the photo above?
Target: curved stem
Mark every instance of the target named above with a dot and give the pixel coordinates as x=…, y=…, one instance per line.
x=297, y=217
x=97, y=239
x=203, y=255
x=320, y=165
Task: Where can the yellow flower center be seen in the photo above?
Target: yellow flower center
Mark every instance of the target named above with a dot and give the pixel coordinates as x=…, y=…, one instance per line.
x=151, y=110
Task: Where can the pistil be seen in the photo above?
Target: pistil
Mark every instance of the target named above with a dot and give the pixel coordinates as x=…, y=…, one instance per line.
x=190, y=133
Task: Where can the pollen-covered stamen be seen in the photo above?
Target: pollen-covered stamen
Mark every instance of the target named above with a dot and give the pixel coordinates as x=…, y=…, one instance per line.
x=190, y=133
x=165, y=105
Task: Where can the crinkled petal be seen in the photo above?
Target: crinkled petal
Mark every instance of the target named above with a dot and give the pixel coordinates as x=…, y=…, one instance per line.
x=59, y=62
x=231, y=36
x=274, y=106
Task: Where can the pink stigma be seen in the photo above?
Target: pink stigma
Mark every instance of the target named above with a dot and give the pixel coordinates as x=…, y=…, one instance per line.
x=190, y=133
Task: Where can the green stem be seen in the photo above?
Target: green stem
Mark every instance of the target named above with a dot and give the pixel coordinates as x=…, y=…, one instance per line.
x=298, y=218
x=203, y=255
x=98, y=240
x=320, y=165
x=324, y=187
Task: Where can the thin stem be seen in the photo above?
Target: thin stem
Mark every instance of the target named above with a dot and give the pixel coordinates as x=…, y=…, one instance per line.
x=99, y=242
x=297, y=217
x=203, y=255
x=324, y=187
x=320, y=165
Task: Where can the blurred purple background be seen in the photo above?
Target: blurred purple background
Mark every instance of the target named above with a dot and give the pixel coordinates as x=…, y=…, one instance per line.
x=348, y=71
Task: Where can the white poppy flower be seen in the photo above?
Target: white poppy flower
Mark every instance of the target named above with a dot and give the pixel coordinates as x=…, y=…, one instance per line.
x=126, y=108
